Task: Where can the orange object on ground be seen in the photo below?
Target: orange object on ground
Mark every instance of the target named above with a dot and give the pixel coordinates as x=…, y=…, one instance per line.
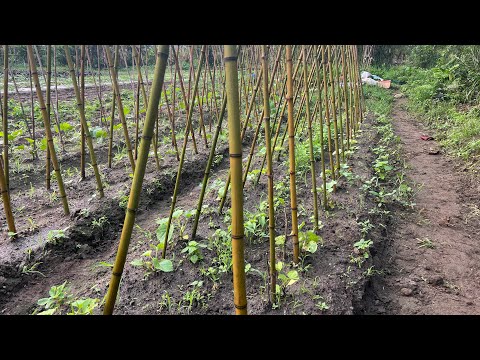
x=384, y=83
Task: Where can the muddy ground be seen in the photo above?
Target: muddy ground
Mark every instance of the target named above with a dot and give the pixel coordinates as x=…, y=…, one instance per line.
x=411, y=279
x=431, y=256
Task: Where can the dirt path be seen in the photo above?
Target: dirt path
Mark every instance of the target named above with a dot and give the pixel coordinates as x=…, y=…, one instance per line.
x=441, y=277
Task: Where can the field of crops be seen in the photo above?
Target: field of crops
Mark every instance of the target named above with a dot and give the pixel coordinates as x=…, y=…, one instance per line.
x=197, y=179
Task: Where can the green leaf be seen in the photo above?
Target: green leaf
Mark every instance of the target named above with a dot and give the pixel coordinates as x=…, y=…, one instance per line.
x=247, y=267
x=311, y=247
x=280, y=240
x=166, y=265
x=43, y=301
x=126, y=110
x=279, y=266
x=48, y=312
x=137, y=262
x=104, y=263
x=194, y=258
x=147, y=253
x=293, y=276
x=177, y=213
x=162, y=230
x=65, y=126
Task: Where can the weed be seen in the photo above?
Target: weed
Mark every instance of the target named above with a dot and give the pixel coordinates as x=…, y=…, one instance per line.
x=58, y=296
x=56, y=237
x=426, y=243
x=193, y=250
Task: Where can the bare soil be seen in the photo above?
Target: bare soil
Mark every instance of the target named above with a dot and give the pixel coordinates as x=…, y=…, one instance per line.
x=416, y=280
x=327, y=275
x=443, y=278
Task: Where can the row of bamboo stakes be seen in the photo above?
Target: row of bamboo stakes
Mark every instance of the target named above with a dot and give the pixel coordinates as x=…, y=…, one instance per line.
x=322, y=88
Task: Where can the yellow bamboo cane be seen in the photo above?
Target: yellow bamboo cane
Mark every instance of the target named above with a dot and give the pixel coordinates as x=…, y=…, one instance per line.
x=6, y=199
x=235, y=149
x=83, y=120
x=48, y=131
x=135, y=190
x=291, y=150
x=121, y=114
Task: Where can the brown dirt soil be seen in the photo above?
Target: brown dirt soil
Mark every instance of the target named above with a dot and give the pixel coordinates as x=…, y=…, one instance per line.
x=418, y=279
x=326, y=276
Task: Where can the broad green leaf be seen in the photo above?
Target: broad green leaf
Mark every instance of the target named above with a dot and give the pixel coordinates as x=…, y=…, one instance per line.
x=43, y=301
x=166, y=265
x=156, y=263
x=280, y=240
x=293, y=276
x=48, y=312
x=162, y=230
x=137, y=262
x=177, y=213
x=279, y=266
x=311, y=247
x=65, y=126
x=194, y=259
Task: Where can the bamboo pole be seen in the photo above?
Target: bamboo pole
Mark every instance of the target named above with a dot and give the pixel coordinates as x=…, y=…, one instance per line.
x=182, y=156
x=116, y=87
x=235, y=149
x=54, y=108
x=90, y=66
x=209, y=166
x=327, y=112
x=310, y=139
x=19, y=99
x=5, y=116
x=124, y=56
x=185, y=98
x=112, y=111
x=291, y=150
x=244, y=129
x=100, y=79
x=172, y=122
x=271, y=210
x=135, y=190
x=32, y=111
x=137, y=116
x=48, y=131
x=81, y=80
x=320, y=121
x=345, y=96
x=137, y=58
x=336, y=84
x=6, y=199
x=48, y=96
x=56, y=97
x=81, y=109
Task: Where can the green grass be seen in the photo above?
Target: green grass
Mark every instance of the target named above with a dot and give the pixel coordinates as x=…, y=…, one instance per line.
x=435, y=97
